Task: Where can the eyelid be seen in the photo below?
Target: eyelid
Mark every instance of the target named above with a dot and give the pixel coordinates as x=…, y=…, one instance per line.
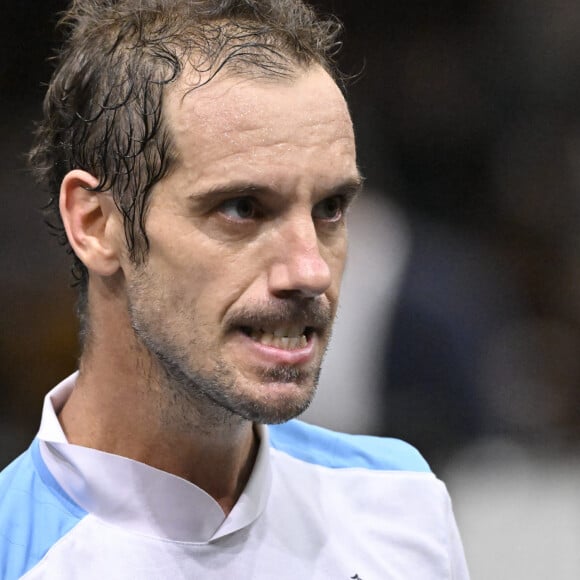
x=342, y=204
x=230, y=203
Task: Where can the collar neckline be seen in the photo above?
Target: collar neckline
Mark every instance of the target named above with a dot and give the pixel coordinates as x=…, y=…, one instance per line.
x=141, y=498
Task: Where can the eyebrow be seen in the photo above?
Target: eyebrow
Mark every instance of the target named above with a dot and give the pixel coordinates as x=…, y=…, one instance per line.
x=348, y=189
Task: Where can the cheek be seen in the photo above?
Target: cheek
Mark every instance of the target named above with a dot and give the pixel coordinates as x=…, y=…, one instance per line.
x=336, y=262
x=210, y=286
x=184, y=258
x=336, y=259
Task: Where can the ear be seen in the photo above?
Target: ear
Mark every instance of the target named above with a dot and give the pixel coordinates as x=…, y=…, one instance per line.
x=91, y=222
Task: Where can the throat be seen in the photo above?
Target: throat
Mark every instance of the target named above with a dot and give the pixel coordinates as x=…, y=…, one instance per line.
x=216, y=458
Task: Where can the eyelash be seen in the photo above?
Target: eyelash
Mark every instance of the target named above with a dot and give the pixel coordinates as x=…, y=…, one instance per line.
x=340, y=202
x=231, y=202
x=256, y=212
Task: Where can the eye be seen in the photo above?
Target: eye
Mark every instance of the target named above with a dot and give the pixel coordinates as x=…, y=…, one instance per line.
x=329, y=209
x=239, y=208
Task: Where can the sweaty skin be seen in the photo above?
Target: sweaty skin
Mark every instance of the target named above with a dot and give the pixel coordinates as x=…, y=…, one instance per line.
x=227, y=320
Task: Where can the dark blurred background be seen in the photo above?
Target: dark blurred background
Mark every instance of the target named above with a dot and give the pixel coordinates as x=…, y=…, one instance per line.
x=37, y=340
x=467, y=122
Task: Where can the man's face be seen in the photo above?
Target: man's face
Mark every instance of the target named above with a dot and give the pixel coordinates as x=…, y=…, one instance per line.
x=247, y=242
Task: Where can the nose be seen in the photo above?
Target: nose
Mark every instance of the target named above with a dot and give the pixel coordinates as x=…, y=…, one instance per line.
x=298, y=267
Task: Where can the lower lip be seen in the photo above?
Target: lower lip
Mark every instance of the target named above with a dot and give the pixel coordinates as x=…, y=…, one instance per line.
x=279, y=356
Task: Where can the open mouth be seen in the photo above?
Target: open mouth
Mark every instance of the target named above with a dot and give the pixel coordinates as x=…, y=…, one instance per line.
x=284, y=337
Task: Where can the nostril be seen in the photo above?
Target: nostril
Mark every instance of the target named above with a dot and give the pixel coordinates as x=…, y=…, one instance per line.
x=299, y=272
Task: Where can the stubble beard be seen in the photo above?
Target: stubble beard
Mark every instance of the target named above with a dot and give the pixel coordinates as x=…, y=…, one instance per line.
x=216, y=397
x=222, y=399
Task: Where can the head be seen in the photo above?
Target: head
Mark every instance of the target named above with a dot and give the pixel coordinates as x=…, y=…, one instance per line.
x=217, y=135
x=103, y=111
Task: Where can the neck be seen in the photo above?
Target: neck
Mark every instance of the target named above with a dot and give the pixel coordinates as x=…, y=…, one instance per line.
x=124, y=403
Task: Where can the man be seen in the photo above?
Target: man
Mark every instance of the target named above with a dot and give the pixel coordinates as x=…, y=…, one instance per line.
x=201, y=160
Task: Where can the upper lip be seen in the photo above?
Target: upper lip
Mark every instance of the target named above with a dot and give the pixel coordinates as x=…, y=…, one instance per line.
x=285, y=319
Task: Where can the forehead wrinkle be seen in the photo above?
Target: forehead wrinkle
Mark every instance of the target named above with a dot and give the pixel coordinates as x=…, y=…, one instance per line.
x=235, y=101
x=231, y=123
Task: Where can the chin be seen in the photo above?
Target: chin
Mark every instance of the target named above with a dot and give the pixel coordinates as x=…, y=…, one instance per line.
x=276, y=402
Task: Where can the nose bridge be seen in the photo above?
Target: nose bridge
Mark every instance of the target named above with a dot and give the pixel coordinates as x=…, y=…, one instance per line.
x=301, y=232
x=299, y=265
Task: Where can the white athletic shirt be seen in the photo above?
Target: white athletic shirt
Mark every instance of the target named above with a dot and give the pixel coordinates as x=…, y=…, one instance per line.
x=319, y=505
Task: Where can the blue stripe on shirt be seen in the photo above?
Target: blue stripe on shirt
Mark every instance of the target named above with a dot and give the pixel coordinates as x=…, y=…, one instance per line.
x=34, y=513
x=340, y=450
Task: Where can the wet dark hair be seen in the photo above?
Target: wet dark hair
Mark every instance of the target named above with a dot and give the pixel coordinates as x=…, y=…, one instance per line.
x=103, y=108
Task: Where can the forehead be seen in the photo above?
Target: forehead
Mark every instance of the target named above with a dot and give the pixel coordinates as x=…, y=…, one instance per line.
x=232, y=116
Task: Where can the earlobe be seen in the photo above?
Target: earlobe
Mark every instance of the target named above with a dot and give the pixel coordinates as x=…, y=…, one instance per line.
x=88, y=219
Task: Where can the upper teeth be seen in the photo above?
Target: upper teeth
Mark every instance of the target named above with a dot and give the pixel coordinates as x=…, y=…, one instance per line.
x=288, y=337
x=289, y=331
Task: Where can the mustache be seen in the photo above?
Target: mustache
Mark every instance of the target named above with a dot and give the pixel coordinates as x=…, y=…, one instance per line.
x=309, y=313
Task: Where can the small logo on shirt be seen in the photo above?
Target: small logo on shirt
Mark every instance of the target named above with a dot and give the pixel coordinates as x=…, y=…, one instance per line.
x=356, y=577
